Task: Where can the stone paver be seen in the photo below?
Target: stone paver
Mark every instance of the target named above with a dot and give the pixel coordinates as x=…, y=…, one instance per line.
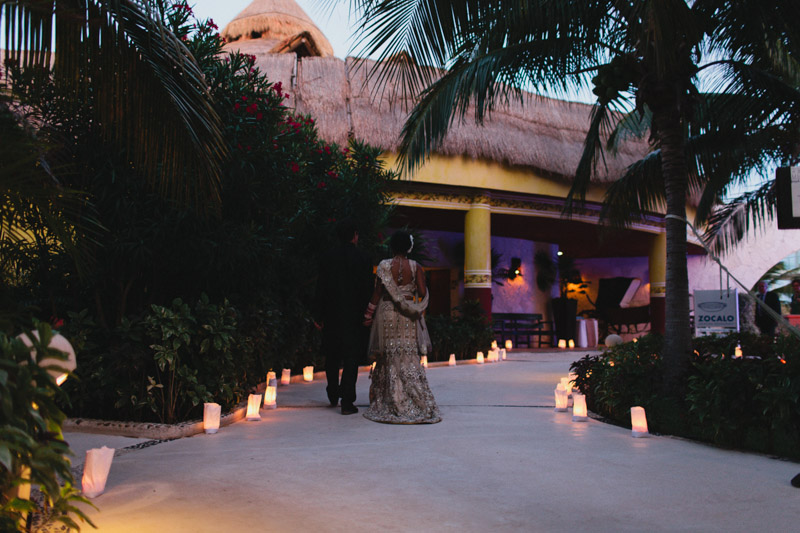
x=501, y=460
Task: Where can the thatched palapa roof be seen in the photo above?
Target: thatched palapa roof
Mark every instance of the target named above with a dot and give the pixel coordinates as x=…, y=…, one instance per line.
x=541, y=133
x=276, y=26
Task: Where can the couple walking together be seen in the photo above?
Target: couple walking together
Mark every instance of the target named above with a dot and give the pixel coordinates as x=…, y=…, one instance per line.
x=399, y=392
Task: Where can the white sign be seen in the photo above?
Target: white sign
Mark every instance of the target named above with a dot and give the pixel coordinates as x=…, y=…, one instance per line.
x=716, y=311
x=795, y=191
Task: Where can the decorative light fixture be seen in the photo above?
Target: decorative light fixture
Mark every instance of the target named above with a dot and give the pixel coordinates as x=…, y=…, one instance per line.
x=64, y=366
x=211, y=414
x=95, y=471
x=286, y=376
x=559, y=253
x=479, y=358
x=579, y=411
x=253, y=405
x=452, y=361
x=271, y=394
x=639, y=422
x=494, y=345
x=308, y=373
x=509, y=344
x=561, y=398
x=571, y=343
x=424, y=361
x=515, y=269
x=562, y=343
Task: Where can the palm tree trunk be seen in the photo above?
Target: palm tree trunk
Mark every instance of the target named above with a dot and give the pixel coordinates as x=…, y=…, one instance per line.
x=677, y=334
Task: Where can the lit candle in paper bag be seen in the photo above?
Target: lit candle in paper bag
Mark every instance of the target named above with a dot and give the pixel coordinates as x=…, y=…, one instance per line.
x=479, y=357
x=424, y=361
x=561, y=398
x=566, y=385
x=253, y=405
x=562, y=343
x=286, y=376
x=737, y=352
x=271, y=394
x=95, y=471
x=452, y=361
x=308, y=373
x=270, y=375
x=211, y=413
x=571, y=343
x=638, y=422
x=579, y=411
x=503, y=354
x=509, y=344
x=494, y=345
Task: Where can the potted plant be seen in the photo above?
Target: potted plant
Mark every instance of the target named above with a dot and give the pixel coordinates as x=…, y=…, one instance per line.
x=565, y=309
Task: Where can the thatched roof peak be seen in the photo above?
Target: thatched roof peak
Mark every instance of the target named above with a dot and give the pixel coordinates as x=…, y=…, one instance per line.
x=281, y=21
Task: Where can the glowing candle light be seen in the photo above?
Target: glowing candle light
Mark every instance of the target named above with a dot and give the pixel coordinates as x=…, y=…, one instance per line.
x=211, y=413
x=308, y=373
x=494, y=345
x=503, y=354
x=424, y=361
x=271, y=394
x=253, y=405
x=270, y=375
x=639, y=422
x=286, y=376
x=571, y=343
x=509, y=344
x=562, y=343
x=95, y=471
x=566, y=385
x=579, y=411
x=480, y=358
x=452, y=361
x=561, y=398
x=737, y=353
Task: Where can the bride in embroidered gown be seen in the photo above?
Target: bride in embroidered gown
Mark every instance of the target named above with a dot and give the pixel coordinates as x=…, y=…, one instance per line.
x=399, y=393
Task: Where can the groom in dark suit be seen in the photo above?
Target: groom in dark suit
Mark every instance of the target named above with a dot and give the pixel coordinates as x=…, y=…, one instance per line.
x=344, y=287
x=764, y=322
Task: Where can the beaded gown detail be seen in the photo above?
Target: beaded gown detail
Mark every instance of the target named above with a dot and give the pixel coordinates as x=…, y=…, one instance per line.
x=399, y=392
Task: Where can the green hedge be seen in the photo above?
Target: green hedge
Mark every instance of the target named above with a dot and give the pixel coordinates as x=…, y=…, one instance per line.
x=750, y=403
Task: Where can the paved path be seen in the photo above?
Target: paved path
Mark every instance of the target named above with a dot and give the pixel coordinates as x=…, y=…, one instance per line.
x=501, y=460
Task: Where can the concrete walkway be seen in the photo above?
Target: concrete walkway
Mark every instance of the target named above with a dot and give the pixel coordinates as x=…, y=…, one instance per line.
x=501, y=460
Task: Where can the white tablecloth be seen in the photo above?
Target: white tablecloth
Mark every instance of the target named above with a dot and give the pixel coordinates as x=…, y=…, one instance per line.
x=586, y=332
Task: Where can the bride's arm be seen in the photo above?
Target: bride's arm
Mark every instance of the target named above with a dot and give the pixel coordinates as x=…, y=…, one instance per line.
x=373, y=302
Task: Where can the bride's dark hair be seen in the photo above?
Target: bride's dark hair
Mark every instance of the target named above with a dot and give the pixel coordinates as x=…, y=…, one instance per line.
x=400, y=242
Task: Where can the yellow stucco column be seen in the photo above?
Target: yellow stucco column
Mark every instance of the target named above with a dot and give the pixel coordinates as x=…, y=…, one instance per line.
x=478, y=255
x=658, y=282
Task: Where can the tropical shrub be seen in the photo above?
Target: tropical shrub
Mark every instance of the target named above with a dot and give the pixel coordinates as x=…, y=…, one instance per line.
x=465, y=333
x=32, y=447
x=752, y=402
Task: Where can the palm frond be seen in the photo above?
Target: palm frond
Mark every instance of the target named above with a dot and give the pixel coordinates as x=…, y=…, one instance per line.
x=729, y=223
x=151, y=96
x=639, y=191
x=600, y=127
